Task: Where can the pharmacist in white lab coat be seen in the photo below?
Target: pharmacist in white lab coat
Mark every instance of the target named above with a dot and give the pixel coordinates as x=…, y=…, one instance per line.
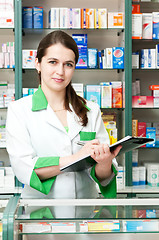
x=43, y=130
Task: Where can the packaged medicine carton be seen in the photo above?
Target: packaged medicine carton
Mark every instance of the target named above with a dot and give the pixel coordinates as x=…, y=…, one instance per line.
x=76, y=15
x=78, y=87
x=70, y=18
x=151, y=133
x=92, y=58
x=93, y=93
x=102, y=17
x=147, y=25
x=142, y=101
x=137, y=26
x=54, y=18
x=83, y=18
x=155, y=20
x=28, y=58
x=37, y=17
x=64, y=17
x=156, y=125
x=144, y=58
x=81, y=41
x=27, y=17
x=115, y=20
x=152, y=58
x=109, y=58
x=135, y=60
x=118, y=57
x=106, y=94
x=90, y=18
x=120, y=178
x=157, y=56
x=116, y=94
x=135, y=176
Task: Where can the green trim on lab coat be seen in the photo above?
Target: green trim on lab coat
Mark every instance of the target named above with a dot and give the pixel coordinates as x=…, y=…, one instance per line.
x=87, y=136
x=45, y=185
x=108, y=191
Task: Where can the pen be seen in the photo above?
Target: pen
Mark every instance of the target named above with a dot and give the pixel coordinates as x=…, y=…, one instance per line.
x=80, y=143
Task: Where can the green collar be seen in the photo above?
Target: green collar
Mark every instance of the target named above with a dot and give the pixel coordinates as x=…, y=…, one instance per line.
x=39, y=101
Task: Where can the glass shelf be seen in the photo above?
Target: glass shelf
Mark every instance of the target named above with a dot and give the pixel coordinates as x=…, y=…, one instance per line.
x=86, y=216
x=145, y=69
x=146, y=108
x=36, y=30
x=85, y=69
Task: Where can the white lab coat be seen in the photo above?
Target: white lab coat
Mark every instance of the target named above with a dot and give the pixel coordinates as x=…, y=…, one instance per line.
x=34, y=134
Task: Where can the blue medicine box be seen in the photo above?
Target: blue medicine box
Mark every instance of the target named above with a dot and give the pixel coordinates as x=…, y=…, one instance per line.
x=151, y=133
x=37, y=17
x=27, y=17
x=118, y=57
x=81, y=41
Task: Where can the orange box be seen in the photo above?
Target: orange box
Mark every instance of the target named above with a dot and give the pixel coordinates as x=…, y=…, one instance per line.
x=116, y=95
x=135, y=8
x=154, y=87
x=115, y=20
x=89, y=17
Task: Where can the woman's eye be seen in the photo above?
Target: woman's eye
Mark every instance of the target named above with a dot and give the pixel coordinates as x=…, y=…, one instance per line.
x=69, y=64
x=52, y=62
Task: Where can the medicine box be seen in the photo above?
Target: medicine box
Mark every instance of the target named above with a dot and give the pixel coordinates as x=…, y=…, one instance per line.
x=147, y=25
x=118, y=57
x=155, y=26
x=64, y=17
x=81, y=41
x=116, y=94
x=76, y=15
x=137, y=26
x=90, y=18
x=92, y=58
x=54, y=18
x=27, y=17
x=142, y=101
x=93, y=93
x=151, y=133
x=28, y=58
x=115, y=20
x=106, y=94
x=37, y=17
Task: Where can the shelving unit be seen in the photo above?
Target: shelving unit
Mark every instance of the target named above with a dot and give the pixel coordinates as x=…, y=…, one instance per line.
x=147, y=77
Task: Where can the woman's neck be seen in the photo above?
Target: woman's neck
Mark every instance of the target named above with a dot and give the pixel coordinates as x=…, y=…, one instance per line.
x=55, y=99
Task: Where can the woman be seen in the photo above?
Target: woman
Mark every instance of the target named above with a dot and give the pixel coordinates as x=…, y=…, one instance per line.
x=43, y=130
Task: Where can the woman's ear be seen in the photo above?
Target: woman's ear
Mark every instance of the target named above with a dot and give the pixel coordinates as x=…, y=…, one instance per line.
x=37, y=65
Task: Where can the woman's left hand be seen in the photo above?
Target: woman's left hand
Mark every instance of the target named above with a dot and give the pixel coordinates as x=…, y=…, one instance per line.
x=102, y=155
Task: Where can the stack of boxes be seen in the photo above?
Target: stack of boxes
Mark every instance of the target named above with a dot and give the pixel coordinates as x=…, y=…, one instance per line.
x=7, y=93
x=7, y=59
x=32, y=17
x=85, y=18
x=6, y=14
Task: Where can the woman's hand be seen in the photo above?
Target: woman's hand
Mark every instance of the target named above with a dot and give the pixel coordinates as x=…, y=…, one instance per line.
x=102, y=155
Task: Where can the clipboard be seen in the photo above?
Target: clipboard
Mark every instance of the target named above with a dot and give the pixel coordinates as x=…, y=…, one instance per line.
x=128, y=143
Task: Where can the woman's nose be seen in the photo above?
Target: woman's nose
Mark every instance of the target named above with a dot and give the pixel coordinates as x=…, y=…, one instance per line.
x=60, y=69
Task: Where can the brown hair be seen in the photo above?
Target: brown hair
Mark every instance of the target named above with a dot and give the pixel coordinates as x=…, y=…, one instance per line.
x=77, y=102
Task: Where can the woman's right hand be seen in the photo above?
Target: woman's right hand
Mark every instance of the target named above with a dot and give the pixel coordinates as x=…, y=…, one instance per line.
x=88, y=148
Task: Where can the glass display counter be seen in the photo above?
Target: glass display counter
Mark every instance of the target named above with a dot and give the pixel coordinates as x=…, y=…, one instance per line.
x=63, y=219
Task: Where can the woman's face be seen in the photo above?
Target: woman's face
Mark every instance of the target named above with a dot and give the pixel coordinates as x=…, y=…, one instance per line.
x=57, y=68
